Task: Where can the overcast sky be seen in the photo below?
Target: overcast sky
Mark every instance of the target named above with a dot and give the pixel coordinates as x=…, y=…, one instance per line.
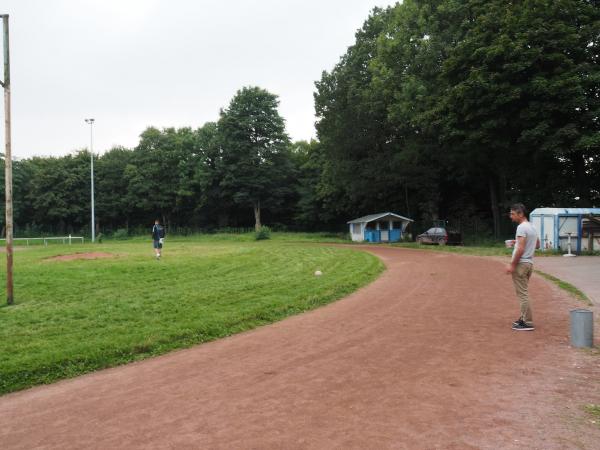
x=131, y=64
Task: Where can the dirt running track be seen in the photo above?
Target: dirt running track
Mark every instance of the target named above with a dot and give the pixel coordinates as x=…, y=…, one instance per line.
x=422, y=358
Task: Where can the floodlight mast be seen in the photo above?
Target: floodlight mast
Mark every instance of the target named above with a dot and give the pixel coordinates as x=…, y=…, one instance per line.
x=8, y=166
x=91, y=122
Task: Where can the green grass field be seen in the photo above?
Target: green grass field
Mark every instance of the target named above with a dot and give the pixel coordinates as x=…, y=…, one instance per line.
x=73, y=317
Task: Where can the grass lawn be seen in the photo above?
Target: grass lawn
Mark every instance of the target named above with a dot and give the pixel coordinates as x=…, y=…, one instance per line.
x=73, y=317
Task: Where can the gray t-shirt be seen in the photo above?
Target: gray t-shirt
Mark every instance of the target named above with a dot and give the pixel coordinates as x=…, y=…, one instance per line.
x=527, y=231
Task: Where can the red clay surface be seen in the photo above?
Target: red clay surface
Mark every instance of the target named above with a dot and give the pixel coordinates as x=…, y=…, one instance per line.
x=92, y=255
x=422, y=358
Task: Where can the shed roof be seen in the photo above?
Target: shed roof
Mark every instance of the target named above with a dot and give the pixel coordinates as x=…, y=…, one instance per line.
x=372, y=217
x=559, y=211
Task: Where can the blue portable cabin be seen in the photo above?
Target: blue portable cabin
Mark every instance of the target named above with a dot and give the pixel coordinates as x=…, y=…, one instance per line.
x=554, y=225
x=382, y=227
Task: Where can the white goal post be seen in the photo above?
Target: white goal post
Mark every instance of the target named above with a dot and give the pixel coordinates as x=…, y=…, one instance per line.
x=65, y=240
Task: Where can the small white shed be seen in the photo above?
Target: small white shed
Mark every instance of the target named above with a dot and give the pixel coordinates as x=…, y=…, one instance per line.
x=382, y=227
x=554, y=225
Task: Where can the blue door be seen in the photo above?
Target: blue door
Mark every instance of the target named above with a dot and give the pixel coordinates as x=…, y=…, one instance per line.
x=372, y=236
x=395, y=235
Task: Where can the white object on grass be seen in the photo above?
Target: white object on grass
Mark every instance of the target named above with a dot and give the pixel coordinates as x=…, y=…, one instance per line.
x=318, y=273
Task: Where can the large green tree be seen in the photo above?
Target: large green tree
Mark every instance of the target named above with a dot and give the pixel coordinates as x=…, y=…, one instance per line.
x=111, y=185
x=213, y=202
x=161, y=175
x=255, y=151
x=378, y=155
x=59, y=192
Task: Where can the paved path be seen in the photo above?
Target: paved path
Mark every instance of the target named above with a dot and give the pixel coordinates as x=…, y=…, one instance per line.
x=422, y=358
x=581, y=271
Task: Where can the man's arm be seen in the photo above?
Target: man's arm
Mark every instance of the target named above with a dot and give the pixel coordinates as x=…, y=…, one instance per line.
x=517, y=256
x=520, y=250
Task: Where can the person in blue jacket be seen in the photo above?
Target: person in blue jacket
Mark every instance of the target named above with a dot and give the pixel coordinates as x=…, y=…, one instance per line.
x=158, y=238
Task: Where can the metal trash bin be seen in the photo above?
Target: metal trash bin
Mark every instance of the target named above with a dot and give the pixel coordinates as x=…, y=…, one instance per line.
x=582, y=328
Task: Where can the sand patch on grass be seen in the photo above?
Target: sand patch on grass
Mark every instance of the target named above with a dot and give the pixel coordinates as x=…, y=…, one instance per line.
x=92, y=255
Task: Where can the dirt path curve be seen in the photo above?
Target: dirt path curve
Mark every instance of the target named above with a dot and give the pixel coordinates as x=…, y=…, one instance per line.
x=422, y=358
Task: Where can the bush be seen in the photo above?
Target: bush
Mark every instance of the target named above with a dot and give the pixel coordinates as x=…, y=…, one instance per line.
x=121, y=234
x=263, y=233
x=279, y=227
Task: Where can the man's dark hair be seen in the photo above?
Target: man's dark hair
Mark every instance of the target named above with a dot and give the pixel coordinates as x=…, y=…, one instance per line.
x=519, y=208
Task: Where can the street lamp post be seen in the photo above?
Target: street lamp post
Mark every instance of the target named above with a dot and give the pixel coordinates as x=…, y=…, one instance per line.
x=91, y=122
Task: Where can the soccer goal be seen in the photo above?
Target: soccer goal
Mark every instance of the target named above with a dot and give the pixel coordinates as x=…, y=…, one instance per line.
x=45, y=240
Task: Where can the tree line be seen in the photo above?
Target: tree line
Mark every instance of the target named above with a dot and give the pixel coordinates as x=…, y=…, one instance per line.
x=237, y=172
x=440, y=109
x=456, y=108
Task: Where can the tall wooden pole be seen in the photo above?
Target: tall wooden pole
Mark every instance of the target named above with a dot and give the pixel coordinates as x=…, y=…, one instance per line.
x=8, y=167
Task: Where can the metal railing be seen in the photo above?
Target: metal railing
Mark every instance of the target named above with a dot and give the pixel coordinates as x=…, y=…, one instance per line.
x=65, y=239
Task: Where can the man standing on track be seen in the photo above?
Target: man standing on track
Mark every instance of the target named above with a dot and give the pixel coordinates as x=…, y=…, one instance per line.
x=521, y=266
x=158, y=237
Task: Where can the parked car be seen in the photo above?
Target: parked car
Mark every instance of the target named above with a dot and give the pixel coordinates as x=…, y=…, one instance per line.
x=440, y=236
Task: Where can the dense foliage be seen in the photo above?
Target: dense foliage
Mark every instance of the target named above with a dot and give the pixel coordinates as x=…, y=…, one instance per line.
x=220, y=175
x=441, y=109
x=458, y=108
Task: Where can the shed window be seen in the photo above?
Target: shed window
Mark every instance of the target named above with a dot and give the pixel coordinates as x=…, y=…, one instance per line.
x=356, y=228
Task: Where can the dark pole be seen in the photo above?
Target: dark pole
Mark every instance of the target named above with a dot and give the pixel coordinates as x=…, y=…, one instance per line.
x=8, y=168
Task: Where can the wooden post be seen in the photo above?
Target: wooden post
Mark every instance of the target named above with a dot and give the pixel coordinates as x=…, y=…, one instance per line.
x=8, y=167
